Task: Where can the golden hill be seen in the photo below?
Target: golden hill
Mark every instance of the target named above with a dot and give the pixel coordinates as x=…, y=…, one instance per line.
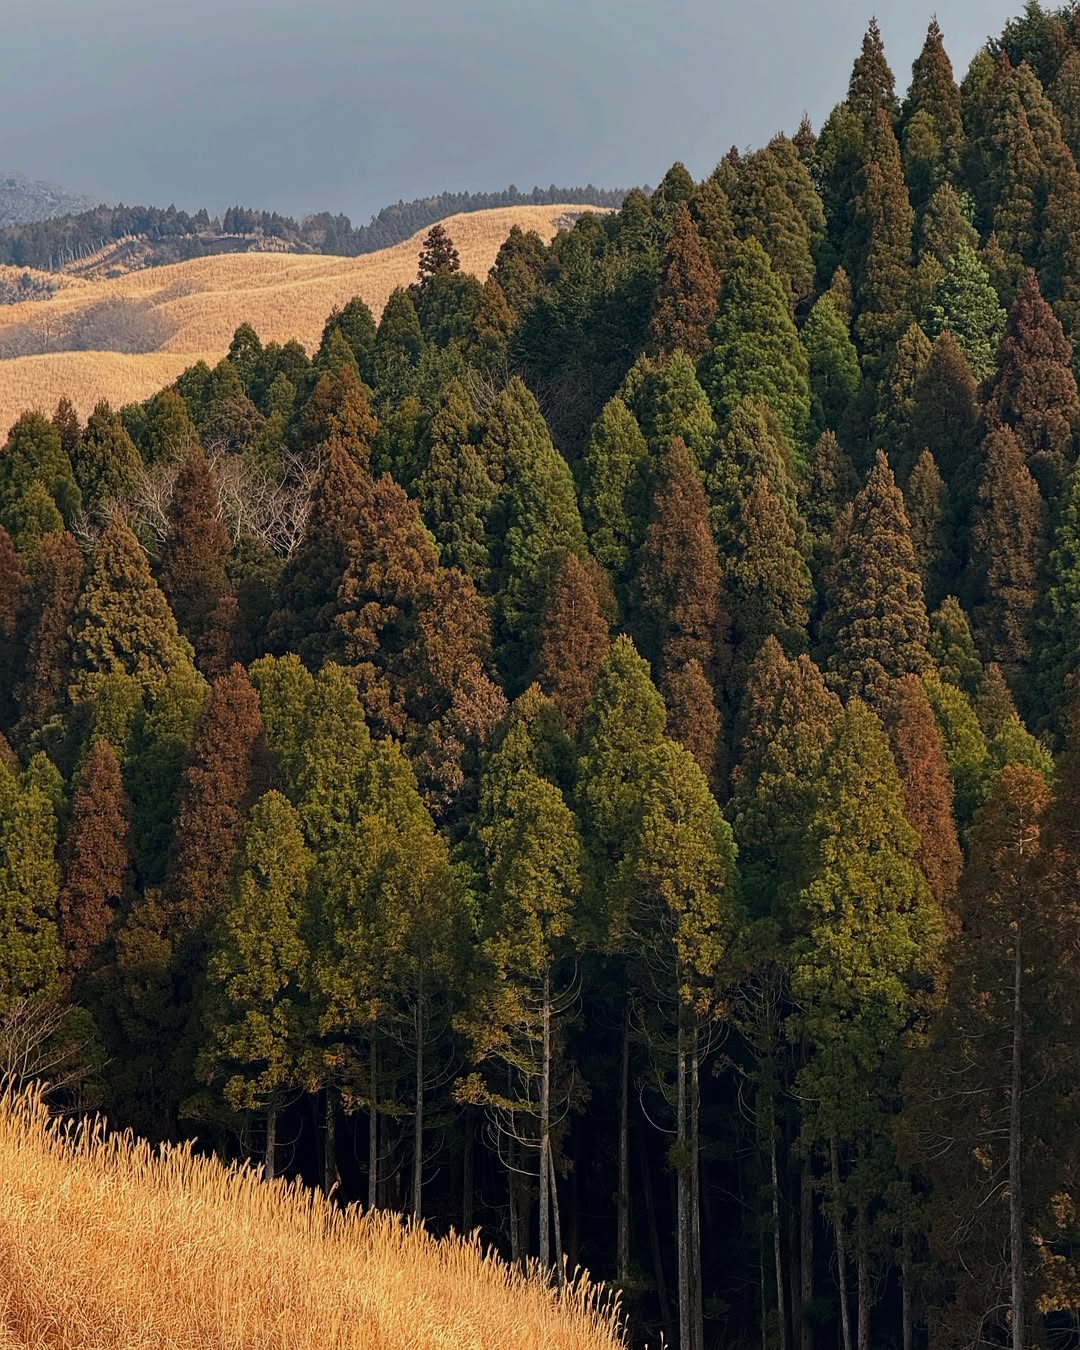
x=105, y=1244
x=201, y=303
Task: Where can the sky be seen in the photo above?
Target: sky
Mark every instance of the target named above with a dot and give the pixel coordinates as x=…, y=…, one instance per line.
x=347, y=105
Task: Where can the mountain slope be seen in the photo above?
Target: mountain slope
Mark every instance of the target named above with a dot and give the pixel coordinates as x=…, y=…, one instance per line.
x=24, y=201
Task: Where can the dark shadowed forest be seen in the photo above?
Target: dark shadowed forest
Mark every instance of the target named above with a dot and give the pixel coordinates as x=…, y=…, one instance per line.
x=594, y=755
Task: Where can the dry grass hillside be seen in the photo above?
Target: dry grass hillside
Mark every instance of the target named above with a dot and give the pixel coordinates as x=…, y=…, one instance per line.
x=105, y=1244
x=191, y=310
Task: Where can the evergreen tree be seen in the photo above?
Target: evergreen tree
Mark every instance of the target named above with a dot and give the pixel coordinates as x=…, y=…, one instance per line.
x=872, y=88
x=34, y=453
x=775, y=201
x=438, y=254
x=933, y=95
x=122, y=621
x=398, y=344
x=686, y=295
x=711, y=212
x=830, y=482
x=755, y=348
x=966, y=304
x=356, y=323
x=896, y=397
x=928, y=791
x=952, y=647
x=876, y=626
x=66, y=421
x=245, y=353
x=615, y=491
x=1008, y=553
x=1059, y=647
x=169, y=432
x=945, y=226
x=886, y=221
x=53, y=593
x=106, y=462
x=944, y=414
x=97, y=862
x=693, y=719
x=258, y=969
x=966, y=752
x=13, y=583
x=1033, y=390
x=574, y=640
x=195, y=550
x=833, y=366
x=667, y=400
x=30, y=954
x=930, y=516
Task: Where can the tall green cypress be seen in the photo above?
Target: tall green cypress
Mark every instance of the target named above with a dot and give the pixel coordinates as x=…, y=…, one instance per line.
x=31, y=957
x=106, y=462
x=886, y=223
x=686, y=294
x=833, y=366
x=967, y=305
x=615, y=491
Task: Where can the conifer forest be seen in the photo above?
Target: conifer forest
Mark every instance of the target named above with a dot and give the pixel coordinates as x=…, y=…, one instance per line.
x=594, y=756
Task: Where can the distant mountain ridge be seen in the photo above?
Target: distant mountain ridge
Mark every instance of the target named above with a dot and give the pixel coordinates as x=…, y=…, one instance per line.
x=109, y=240
x=24, y=201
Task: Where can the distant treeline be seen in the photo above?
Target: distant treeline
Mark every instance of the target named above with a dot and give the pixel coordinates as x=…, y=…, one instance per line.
x=51, y=244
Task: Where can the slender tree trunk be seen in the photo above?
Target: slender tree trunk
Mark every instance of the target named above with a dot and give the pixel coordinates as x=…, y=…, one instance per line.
x=697, y=1301
x=841, y=1257
x=778, y=1247
x=654, y=1233
x=467, y=1176
x=806, y=1251
x=330, y=1172
x=515, y=1223
x=905, y=1296
x=682, y=1185
x=556, y=1222
x=418, y=1115
x=373, y=1131
x=545, y=1130
x=622, y=1260
x=791, y=1243
x=1016, y=1224
x=863, y=1277
x=269, y=1158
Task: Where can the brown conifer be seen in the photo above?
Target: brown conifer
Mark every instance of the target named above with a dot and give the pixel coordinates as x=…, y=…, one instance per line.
x=944, y=415
x=574, y=639
x=12, y=598
x=693, y=718
x=97, y=865
x=928, y=510
x=679, y=577
x=1033, y=389
x=66, y=421
x=339, y=409
x=875, y=625
x=686, y=294
x=872, y=87
x=191, y=565
x=1007, y=555
x=224, y=640
x=887, y=221
x=933, y=91
x=438, y=254
x=928, y=791
x=222, y=778
x=52, y=595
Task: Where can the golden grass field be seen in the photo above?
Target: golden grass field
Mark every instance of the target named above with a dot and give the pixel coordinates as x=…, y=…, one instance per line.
x=107, y=1245
x=282, y=295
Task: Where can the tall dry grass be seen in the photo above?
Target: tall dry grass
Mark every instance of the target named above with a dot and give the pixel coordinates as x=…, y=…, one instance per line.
x=203, y=302
x=106, y=1244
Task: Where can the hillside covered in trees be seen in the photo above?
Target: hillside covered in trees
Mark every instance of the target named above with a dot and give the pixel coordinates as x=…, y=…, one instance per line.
x=595, y=756
x=148, y=236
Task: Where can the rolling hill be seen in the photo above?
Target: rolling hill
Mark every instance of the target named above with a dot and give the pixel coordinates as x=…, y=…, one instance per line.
x=139, y=331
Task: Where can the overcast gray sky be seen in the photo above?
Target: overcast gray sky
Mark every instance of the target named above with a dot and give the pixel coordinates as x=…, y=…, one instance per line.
x=345, y=105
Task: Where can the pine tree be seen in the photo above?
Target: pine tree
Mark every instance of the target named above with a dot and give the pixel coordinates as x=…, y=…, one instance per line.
x=30, y=954
x=945, y=226
x=398, y=344
x=756, y=352
x=667, y=400
x=966, y=304
x=97, y=862
x=13, y=583
x=574, y=640
x=876, y=626
x=122, y=621
x=774, y=200
x=679, y=576
x=830, y=482
x=106, y=462
x=258, y=971
x=55, y=585
x=896, y=398
x=1065, y=93
x=1008, y=553
x=438, y=254
x=872, y=88
x=245, y=353
x=930, y=516
x=686, y=295
x=66, y=421
x=195, y=550
x=928, y=791
x=1058, y=651
x=339, y=409
x=711, y=212
x=933, y=93
x=615, y=491
x=488, y=342
x=833, y=365
x=34, y=453
x=304, y=620
x=693, y=719
x=944, y=415
x=1033, y=389
x=966, y=752
x=169, y=432
x=886, y=221
x=356, y=323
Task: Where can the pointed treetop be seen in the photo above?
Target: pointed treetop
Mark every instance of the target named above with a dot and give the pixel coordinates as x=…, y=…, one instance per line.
x=872, y=87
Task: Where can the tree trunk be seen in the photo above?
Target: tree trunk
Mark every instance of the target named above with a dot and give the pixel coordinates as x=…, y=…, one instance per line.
x=622, y=1260
x=556, y=1223
x=863, y=1278
x=682, y=1188
x=467, y=1176
x=418, y=1115
x=697, y=1307
x=905, y=1296
x=373, y=1132
x=545, y=1129
x=654, y=1233
x=269, y=1158
x=841, y=1258
x=778, y=1248
x=806, y=1252
x=515, y=1222
x=330, y=1172
x=1016, y=1224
